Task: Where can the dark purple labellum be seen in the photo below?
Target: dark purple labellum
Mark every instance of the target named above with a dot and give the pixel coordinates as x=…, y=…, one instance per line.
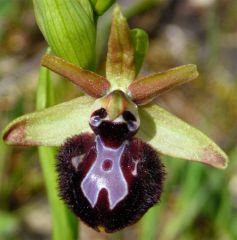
x=112, y=188
x=109, y=179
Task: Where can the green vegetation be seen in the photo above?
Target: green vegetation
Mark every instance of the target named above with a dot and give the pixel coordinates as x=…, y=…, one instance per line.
x=199, y=202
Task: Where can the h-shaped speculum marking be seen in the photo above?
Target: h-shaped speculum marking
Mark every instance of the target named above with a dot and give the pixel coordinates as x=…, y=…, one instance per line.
x=112, y=179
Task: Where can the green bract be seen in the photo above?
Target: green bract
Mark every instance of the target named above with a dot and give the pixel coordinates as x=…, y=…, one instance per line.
x=117, y=92
x=69, y=28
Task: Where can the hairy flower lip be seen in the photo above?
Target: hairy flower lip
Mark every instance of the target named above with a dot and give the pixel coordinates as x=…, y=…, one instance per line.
x=145, y=185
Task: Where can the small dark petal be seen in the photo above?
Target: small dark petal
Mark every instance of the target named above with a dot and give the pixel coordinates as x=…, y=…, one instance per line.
x=142, y=170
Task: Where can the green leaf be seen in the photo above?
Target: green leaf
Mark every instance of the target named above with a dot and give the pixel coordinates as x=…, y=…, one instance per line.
x=89, y=82
x=52, y=126
x=172, y=136
x=120, y=64
x=69, y=29
x=9, y=225
x=100, y=6
x=140, y=42
x=147, y=88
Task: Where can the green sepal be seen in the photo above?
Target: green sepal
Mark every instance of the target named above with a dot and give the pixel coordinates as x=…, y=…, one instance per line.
x=145, y=89
x=172, y=136
x=101, y=6
x=120, y=64
x=140, y=43
x=69, y=29
x=52, y=126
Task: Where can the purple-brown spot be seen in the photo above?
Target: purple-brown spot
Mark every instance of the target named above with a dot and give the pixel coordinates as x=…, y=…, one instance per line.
x=213, y=158
x=16, y=135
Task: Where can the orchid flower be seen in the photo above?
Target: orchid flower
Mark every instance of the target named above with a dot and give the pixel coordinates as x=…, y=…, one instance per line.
x=111, y=139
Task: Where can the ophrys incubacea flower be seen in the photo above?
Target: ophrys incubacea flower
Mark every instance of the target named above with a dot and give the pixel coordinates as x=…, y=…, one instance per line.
x=110, y=173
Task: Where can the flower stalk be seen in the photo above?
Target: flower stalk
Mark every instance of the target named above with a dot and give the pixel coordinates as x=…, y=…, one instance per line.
x=64, y=224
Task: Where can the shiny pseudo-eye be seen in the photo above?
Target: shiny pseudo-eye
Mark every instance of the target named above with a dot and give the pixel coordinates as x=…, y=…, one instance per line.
x=131, y=121
x=97, y=118
x=109, y=178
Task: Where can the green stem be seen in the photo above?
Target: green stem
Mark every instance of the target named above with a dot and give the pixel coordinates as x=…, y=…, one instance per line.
x=65, y=225
x=148, y=227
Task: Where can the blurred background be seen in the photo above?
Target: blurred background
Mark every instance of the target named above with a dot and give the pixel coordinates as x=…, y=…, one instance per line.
x=199, y=202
